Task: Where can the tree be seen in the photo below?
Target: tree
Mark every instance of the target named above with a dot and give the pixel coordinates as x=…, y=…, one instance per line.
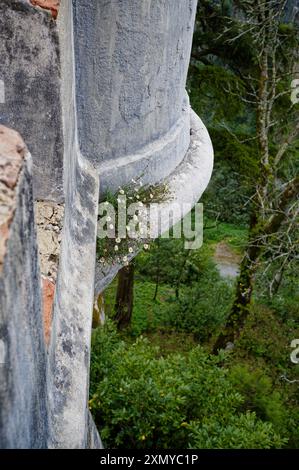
x=275, y=201
x=124, y=296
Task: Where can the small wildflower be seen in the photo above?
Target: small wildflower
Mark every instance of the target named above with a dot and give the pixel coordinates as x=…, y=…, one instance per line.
x=128, y=228
x=140, y=204
x=137, y=197
x=146, y=246
x=108, y=219
x=111, y=226
x=125, y=259
x=116, y=248
x=131, y=250
x=102, y=260
x=151, y=196
x=118, y=240
x=121, y=191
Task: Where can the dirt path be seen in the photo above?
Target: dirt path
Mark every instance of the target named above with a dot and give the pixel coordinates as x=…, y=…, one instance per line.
x=227, y=261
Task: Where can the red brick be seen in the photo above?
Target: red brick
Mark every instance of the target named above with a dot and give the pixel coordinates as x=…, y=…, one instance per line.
x=48, y=288
x=52, y=5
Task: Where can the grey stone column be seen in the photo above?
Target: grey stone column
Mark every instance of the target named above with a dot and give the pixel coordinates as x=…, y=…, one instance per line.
x=69, y=352
x=131, y=63
x=125, y=113
x=30, y=76
x=23, y=384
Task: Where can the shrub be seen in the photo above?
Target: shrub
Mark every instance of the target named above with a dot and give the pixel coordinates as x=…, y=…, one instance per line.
x=201, y=308
x=142, y=400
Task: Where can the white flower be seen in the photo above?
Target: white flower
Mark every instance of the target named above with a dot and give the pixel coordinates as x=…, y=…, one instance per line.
x=146, y=246
x=138, y=197
x=131, y=250
x=121, y=191
x=102, y=260
x=127, y=263
x=111, y=226
x=125, y=259
x=108, y=219
x=151, y=196
x=140, y=204
x=116, y=248
x=128, y=228
x=118, y=240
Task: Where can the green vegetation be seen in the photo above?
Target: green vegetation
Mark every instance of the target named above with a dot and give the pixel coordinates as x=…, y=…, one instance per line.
x=165, y=350
x=144, y=400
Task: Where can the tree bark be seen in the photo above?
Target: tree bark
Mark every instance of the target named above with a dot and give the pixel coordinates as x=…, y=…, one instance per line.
x=124, y=297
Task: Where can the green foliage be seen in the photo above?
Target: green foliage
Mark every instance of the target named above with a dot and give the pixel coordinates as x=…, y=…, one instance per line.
x=143, y=400
x=259, y=393
x=238, y=432
x=225, y=104
x=201, y=308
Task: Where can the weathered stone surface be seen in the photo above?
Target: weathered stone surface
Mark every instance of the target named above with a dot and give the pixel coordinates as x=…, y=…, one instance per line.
x=49, y=222
x=69, y=350
x=23, y=382
x=30, y=71
x=131, y=59
x=124, y=112
x=12, y=152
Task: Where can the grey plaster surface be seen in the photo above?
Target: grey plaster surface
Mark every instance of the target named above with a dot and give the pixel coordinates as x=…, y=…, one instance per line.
x=130, y=66
x=23, y=382
x=69, y=352
x=30, y=76
x=124, y=112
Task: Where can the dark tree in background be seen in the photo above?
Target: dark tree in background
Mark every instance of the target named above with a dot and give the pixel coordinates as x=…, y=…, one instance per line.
x=247, y=52
x=124, y=296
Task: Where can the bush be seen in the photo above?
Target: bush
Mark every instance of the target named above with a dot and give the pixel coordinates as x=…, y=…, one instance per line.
x=259, y=395
x=201, y=308
x=142, y=400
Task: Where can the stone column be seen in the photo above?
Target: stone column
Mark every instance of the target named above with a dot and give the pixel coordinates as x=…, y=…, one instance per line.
x=23, y=384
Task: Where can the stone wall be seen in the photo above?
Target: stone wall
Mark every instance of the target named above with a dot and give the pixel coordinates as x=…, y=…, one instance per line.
x=23, y=381
x=97, y=89
x=30, y=72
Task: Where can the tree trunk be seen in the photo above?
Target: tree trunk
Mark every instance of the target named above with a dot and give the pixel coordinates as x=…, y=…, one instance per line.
x=157, y=273
x=124, y=297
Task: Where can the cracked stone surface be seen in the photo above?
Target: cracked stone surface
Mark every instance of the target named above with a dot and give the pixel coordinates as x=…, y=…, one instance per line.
x=49, y=222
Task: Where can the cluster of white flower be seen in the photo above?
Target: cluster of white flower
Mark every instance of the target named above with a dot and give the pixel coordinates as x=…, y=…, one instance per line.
x=136, y=230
